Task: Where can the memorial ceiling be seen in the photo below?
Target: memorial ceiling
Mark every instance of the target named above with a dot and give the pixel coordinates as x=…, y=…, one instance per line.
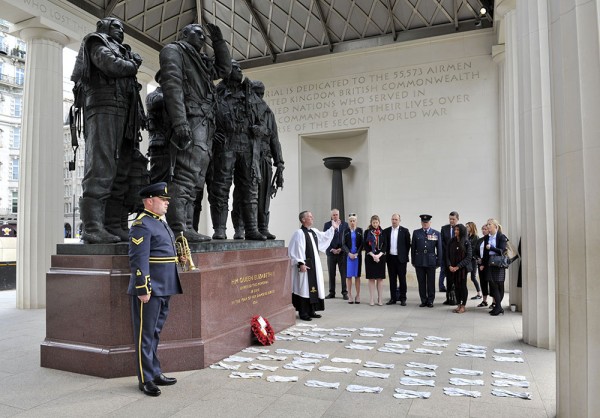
x=263, y=32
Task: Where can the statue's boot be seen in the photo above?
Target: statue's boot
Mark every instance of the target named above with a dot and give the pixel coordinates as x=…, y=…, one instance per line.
x=113, y=220
x=92, y=217
x=219, y=220
x=238, y=224
x=263, y=225
x=190, y=233
x=250, y=213
x=176, y=215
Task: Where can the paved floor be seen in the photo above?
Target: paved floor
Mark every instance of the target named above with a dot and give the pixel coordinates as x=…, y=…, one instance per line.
x=27, y=390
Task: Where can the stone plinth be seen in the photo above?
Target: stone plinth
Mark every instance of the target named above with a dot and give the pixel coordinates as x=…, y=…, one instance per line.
x=88, y=320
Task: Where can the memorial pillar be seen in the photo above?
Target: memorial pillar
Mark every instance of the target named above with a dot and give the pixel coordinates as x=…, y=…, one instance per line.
x=537, y=173
x=337, y=164
x=41, y=182
x=575, y=69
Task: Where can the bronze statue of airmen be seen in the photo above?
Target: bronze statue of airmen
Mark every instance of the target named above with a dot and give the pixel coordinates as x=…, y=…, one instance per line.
x=236, y=155
x=188, y=91
x=107, y=90
x=264, y=129
x=159, y=128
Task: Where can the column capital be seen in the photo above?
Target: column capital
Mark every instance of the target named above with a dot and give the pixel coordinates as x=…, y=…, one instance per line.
x=35, y=29
x=503, y=7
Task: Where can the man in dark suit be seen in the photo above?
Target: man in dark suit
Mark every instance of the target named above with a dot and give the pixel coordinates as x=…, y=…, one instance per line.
x=154, y=279
x=447, y=234
x=336, y=255
x=397, y=239
x=425, y=255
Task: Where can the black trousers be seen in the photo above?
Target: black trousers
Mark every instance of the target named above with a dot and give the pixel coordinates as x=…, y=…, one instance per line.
x=338, y=260
x=474, y=270
x=426, y=279
x=484, y=281
x=497, y=292
x=396, y=274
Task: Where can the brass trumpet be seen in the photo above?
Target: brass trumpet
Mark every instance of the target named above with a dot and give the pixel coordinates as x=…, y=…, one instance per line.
x=183, y=250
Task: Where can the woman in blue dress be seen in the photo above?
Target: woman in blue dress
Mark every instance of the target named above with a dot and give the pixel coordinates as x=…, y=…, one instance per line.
x=352, y=246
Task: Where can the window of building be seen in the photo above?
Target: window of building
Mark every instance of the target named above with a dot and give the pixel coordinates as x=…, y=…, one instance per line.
x=15, y=138
x=19, y=76
x=15, y=201
x=14, y=169
x=16, y=106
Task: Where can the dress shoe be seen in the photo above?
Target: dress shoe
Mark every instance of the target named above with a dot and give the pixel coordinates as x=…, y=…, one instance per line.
x=496, y=312
x=330, y=296
x=391, y=302
x=422, y=305
x=315, y=315
x=443, y=289
x=305, y=318
x=162, y=380
x=476, y=297
x=402, y=303
x=430, y=305
x=346, y=297
x=482, y=304
x=149, y=388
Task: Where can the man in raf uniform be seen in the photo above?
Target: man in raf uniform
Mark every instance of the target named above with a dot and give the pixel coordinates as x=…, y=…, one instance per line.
x=426, y=253
x=154, y=278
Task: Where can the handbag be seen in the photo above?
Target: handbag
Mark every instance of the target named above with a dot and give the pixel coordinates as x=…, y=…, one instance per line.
x=452, y=297
x=500, y=261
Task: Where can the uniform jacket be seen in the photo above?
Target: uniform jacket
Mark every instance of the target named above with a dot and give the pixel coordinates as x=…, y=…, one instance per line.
x=446, y=237
x=403, y=245
x=152, y=257
x=426, y=249
x=338, y=238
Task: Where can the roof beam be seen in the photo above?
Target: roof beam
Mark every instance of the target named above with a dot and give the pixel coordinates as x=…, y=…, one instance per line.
x=261, y=28
x=324, y=23
x=110, y=7
x=391, y=12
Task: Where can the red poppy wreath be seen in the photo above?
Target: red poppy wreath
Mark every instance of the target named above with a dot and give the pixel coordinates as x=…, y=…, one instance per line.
x=262, y=330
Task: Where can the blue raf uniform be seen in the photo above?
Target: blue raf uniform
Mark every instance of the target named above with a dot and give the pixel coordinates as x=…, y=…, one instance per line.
x=426, y=254
x=153, y=263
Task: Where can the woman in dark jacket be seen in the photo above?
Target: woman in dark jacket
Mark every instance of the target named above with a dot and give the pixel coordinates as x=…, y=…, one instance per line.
x=374, y=244
x=482, y=255
x=496, y=245
x=458, y=260
x=473, y=239
x=352, y=246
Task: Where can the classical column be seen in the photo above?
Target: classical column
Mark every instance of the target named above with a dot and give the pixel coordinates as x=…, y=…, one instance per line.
x=537, y=174
x=575, y=70
x=337, y=164
x=41, y=183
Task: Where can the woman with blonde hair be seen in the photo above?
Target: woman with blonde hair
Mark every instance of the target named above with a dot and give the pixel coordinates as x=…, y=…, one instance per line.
x=496, y=245
x=352, y=245
x=374, y=244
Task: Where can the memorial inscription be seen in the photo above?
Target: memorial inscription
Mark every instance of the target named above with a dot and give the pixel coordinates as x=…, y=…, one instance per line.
x=252, y=287
x=417, y=92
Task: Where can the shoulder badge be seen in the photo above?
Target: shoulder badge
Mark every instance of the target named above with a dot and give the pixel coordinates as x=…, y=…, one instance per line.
x=137, y=241
x=137, y=222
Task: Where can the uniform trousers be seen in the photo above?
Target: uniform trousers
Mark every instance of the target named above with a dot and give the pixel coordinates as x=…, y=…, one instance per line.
x=148, y=320
x=426, y=279
x=338, y=260
x=396, y=273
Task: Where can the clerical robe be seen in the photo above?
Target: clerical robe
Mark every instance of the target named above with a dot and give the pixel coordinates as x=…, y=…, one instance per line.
x=308, y=287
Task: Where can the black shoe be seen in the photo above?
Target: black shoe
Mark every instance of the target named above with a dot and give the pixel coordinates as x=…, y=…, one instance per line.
x=315, y=315
x=330, y=296
x=443, y=289
x=391, y=302
x=345, y=297
x=497, y=312
x=482, y=304
x=422, y=305
x=149, y=388
x=446, y=302
x=430, y=305
x=402, y=303
x=305, y=318
x=162, y=380
x=476, y=297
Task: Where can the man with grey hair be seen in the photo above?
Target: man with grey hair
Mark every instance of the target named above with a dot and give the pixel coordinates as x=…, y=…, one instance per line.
x=187, y=76
x=336, y=257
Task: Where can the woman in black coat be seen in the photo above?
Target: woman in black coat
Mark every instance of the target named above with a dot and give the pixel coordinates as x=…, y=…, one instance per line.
x=352, y=243
x=458, y=260
x=374, y=245
x=496, y=245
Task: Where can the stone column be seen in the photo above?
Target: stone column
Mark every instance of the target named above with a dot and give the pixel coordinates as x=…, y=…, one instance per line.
x=41, y=183
x=537, y=174
x=575, y=69
x=337, y=164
